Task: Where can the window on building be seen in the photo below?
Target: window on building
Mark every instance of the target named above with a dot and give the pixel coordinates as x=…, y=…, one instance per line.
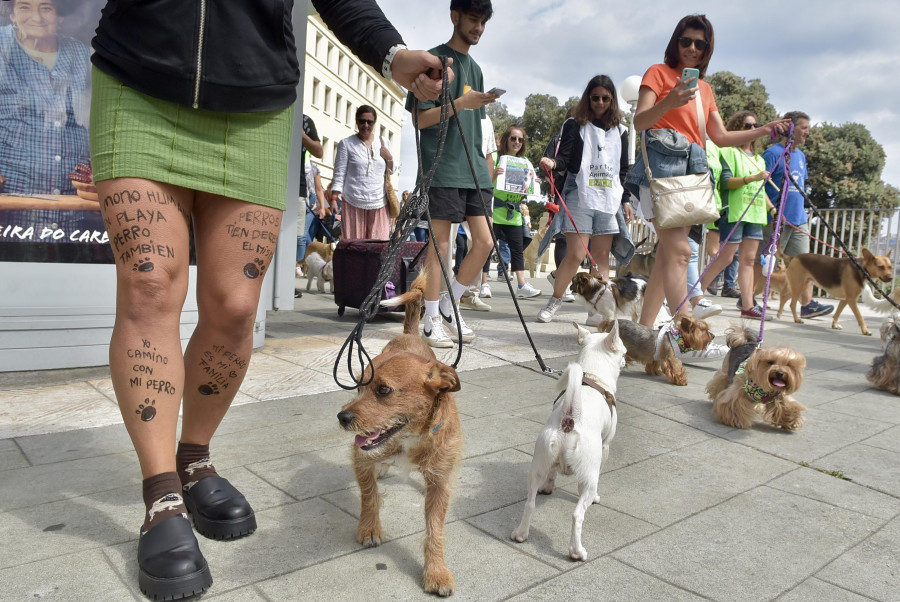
x=317, y=49
x=348, y=121
x=314, y=99
x=330, y=56
x=338, y=106
x=326, y=104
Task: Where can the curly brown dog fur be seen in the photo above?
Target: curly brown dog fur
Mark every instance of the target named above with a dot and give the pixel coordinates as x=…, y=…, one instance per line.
x=407, y=413
x=776, y=371
x=640, y=345
x=885, y=370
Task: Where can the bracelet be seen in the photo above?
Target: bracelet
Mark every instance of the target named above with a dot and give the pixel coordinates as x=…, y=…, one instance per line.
x=389, y=58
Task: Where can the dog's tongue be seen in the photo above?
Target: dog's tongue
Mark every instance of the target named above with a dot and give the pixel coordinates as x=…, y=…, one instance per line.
x=778, y=382
x=361, y=440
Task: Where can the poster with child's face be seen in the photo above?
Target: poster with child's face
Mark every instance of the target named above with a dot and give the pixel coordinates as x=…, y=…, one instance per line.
x=48, y=205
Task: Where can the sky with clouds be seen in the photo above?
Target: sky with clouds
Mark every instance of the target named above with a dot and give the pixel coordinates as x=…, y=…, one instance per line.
x=837, y=61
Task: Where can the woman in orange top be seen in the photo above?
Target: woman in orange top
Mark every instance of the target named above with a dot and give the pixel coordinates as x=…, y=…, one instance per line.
x=664, y=101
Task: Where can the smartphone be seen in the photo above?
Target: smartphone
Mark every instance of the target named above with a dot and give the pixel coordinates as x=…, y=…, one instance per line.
x=497, y=91
x=689, y=73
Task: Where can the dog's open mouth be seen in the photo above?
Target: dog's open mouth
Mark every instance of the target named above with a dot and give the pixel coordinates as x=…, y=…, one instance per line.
x=778, y=381
x=373, y=440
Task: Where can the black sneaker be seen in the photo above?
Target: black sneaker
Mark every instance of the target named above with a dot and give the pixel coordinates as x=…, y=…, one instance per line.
x=813, y=310
x=731, y=292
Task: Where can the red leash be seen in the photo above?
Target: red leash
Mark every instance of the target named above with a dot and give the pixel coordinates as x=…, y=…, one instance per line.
x=562, y=202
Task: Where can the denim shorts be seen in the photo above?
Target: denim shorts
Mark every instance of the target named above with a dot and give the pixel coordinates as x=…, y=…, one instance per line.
x=588, y=221
x=745, y=230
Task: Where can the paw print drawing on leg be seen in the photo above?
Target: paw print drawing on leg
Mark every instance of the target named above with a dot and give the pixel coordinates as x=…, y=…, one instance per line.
x=146, y=410
x=143, y=265
x=254, y=268
x=209, y=389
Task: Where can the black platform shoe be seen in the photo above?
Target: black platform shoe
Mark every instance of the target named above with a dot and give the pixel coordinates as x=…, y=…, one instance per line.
x=219, y=510
x=170, y=563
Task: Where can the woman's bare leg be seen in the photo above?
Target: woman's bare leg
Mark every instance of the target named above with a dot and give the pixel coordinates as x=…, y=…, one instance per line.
x=668, y=279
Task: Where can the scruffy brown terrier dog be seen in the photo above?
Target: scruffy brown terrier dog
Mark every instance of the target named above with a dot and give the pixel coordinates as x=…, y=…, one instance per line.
x=839, y=277
x=757, y=384
x=407, y=414
x=641, y=343
x=885, y=370
x=643, y=260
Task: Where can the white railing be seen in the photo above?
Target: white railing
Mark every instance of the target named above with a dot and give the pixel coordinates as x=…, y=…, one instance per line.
x=875, y=229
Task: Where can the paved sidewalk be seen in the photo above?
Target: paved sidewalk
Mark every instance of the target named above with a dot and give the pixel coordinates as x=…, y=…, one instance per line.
x=691, y=510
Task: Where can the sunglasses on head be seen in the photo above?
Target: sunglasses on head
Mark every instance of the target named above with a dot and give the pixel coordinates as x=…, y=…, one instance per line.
x=750, y=126
x=604, y=98
x=686, y=42
x=365, y=121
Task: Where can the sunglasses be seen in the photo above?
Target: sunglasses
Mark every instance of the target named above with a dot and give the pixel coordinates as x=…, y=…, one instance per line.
x=686, y=42
x=515, y=139
x=604, y=98
x=750, y=126
x=365, y=121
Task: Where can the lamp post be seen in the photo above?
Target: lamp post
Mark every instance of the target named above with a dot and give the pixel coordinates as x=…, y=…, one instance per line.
x=630, y=88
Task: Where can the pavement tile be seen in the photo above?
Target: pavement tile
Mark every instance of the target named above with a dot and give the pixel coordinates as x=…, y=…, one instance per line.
x=76, y=444
x=872, y=568
x=494, y=433
x=11, y=455
x=75, y=577
x=53, y=409
x=605, y=579
x=310, y=474
x=603, y=531
x=816, y=590
x=25, y=487
x=394, y=570
x=873, y=404
x=242, y=594
x=873, y=467
x=817, y=485
x=888, y=440
x=655, y=490
x=761, y=544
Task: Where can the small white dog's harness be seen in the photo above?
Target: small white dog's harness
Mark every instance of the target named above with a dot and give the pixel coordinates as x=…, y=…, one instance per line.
x=568, y=422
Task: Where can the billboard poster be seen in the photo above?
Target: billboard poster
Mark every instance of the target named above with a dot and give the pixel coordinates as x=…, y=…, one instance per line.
x=49, y=210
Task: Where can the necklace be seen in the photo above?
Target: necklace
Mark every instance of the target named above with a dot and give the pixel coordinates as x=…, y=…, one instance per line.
x=466, y=72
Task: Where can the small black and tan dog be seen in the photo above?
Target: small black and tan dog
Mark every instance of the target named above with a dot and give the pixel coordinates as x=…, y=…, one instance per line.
x=622, y=295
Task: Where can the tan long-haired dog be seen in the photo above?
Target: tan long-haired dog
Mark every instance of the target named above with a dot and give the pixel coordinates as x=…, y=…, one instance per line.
x=757, y=384
x=885, y=370
x=407, y=413
x=641, y=343
x=839, y=277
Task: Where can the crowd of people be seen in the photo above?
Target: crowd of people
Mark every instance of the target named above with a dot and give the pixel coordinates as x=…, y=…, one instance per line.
x=224, y=180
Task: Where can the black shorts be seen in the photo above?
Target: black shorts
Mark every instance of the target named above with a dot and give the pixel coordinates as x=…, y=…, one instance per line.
x=456, y=204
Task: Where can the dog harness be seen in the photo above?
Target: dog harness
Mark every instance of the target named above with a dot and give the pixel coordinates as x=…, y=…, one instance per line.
x=754, y=391
x=678, y=339
x=568, y=422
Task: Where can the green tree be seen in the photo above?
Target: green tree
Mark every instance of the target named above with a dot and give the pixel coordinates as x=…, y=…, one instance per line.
x=734, y=93
x=500, y=117
x=845, y=165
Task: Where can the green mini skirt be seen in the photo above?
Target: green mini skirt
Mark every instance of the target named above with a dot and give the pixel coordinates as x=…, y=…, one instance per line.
x=242, y=156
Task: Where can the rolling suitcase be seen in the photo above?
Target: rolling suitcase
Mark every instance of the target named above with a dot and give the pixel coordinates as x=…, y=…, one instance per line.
x=356, y=267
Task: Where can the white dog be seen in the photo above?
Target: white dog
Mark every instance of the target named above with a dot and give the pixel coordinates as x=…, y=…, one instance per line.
x=319, y=270
x=575, y=439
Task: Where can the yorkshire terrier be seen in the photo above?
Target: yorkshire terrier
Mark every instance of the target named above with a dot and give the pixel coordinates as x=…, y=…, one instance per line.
x=641, y=344
x=755, y=384
x=885, y=371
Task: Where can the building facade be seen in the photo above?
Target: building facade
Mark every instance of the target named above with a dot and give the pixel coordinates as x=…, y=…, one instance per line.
x=335, y=84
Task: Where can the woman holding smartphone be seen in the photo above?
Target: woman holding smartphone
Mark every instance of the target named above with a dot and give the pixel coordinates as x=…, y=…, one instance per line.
x=666, y=101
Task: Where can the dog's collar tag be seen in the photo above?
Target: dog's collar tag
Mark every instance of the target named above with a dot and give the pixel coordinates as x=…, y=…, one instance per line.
x=754, y=391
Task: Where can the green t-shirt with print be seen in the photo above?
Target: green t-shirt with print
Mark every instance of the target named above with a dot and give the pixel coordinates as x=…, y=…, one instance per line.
x=743, y=165
x=453, y=169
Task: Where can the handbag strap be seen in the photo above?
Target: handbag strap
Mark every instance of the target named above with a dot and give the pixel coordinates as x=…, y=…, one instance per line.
x=387, y=172
x=700, y=122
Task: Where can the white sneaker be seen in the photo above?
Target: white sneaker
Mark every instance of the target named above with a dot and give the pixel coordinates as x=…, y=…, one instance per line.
x=713, y=352
x=501, y=278
x=551, y=277
x=433, y=332
x=471, y=301
x=546, y=314
x=445, y=308
x=485, y=291
x=526, y=291
x=704, y=309
x=568, y=297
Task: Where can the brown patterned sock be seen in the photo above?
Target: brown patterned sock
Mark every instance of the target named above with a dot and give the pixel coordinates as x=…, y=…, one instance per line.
x=193, y=464
x=162, y=499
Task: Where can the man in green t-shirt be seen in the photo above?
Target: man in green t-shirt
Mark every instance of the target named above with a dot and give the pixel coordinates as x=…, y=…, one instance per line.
x=455, y=195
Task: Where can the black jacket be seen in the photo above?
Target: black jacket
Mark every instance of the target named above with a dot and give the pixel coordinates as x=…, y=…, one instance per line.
x=225, y=55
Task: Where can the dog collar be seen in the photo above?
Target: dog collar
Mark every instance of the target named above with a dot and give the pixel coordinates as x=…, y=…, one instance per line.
x=678, y=339
x=754, y=391
x=568, y=423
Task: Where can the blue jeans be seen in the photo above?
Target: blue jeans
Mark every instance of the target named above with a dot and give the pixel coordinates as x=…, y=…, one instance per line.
x=729, y=274
x=504, y=255
x=693, y=274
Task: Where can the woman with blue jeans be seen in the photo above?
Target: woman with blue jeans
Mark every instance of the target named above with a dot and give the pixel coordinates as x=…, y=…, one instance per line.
x=743, y=172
